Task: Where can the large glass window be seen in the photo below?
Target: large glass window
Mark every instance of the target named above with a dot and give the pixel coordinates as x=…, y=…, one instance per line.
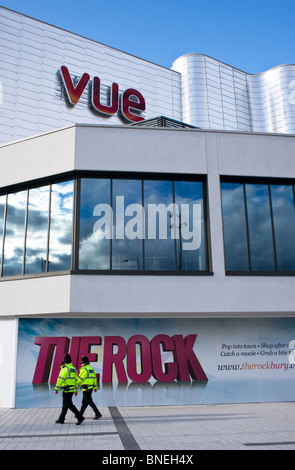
x=36, y=230
x=142, y=225
x=120, y=225
x=190, y=224
x=259, y=227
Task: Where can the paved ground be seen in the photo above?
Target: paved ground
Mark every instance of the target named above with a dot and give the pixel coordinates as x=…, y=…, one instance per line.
x=259, y=426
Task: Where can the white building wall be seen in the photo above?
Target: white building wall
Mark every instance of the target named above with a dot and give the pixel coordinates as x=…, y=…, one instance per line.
x=122, y=148
x=33, y=97
x=141, y=149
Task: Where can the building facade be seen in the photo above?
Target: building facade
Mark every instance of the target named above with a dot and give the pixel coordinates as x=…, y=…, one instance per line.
x=167, y=254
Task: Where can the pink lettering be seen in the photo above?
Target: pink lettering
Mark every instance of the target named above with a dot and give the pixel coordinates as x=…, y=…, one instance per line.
x=170, y=369
x=111, y=358
x=138, y=360
x=145, y=359
x=188, y=363
x=48, y=346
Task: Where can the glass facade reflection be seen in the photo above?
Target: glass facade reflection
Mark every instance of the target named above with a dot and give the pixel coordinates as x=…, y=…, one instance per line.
x=36, y=230
x=2, y=214
x=259, y=227
x=282, y=198
x=234, y=227
x=142, y=225
x=14, y=234
x=61, y=225
x=189, y=195
x=159, y=242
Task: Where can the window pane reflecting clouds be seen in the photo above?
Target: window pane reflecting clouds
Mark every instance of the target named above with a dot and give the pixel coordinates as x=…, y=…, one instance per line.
x=234, y=227
x=260, y=229
x=284, y=225
x=127, y=245
x=94, y=251
x=37, y=230
x=264, y=215
x=15, y=234
x=141, y=225
x=190, y=193
x=159, y=252
x=61, y=216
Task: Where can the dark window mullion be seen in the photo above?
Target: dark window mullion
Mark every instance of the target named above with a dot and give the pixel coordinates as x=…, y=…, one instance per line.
x=205, y=197
x=175, y=239
x=143, y=228
x=76, y=225
x=111, y=224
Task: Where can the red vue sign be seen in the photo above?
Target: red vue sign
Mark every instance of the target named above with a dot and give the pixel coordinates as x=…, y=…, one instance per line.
x=131, y=102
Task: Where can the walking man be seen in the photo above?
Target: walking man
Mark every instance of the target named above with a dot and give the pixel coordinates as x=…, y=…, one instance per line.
x=88, y=382
x=67, y=381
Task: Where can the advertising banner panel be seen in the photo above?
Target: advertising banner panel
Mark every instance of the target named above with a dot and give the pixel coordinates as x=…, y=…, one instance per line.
x=160, y=361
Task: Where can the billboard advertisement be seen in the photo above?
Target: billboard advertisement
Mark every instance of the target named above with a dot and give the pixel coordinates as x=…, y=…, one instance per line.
x=160, y=361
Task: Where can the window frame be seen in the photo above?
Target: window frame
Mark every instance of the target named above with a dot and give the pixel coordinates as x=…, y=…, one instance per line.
x=142, y=176
x=262, y=181
x=76, y=177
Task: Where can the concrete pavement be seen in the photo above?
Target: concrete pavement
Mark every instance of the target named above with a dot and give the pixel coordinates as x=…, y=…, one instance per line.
x=259, y=426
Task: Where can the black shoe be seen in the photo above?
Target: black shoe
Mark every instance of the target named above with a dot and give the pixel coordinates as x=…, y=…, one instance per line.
x=80, y=421
x=97, y=416
x=58, y=421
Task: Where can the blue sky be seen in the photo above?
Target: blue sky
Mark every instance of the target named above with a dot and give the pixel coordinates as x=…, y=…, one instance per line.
x=252, y=35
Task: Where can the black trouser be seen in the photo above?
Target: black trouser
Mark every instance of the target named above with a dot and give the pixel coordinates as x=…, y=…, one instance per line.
x=87, y=400
x=67, y=404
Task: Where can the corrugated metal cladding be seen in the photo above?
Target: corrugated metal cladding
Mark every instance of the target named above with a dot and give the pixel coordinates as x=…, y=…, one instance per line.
x=198, y=90
x=217, y=96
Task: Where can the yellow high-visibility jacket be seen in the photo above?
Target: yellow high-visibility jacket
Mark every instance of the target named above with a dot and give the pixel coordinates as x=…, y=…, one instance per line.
x=67, y=380
x=87, y=378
